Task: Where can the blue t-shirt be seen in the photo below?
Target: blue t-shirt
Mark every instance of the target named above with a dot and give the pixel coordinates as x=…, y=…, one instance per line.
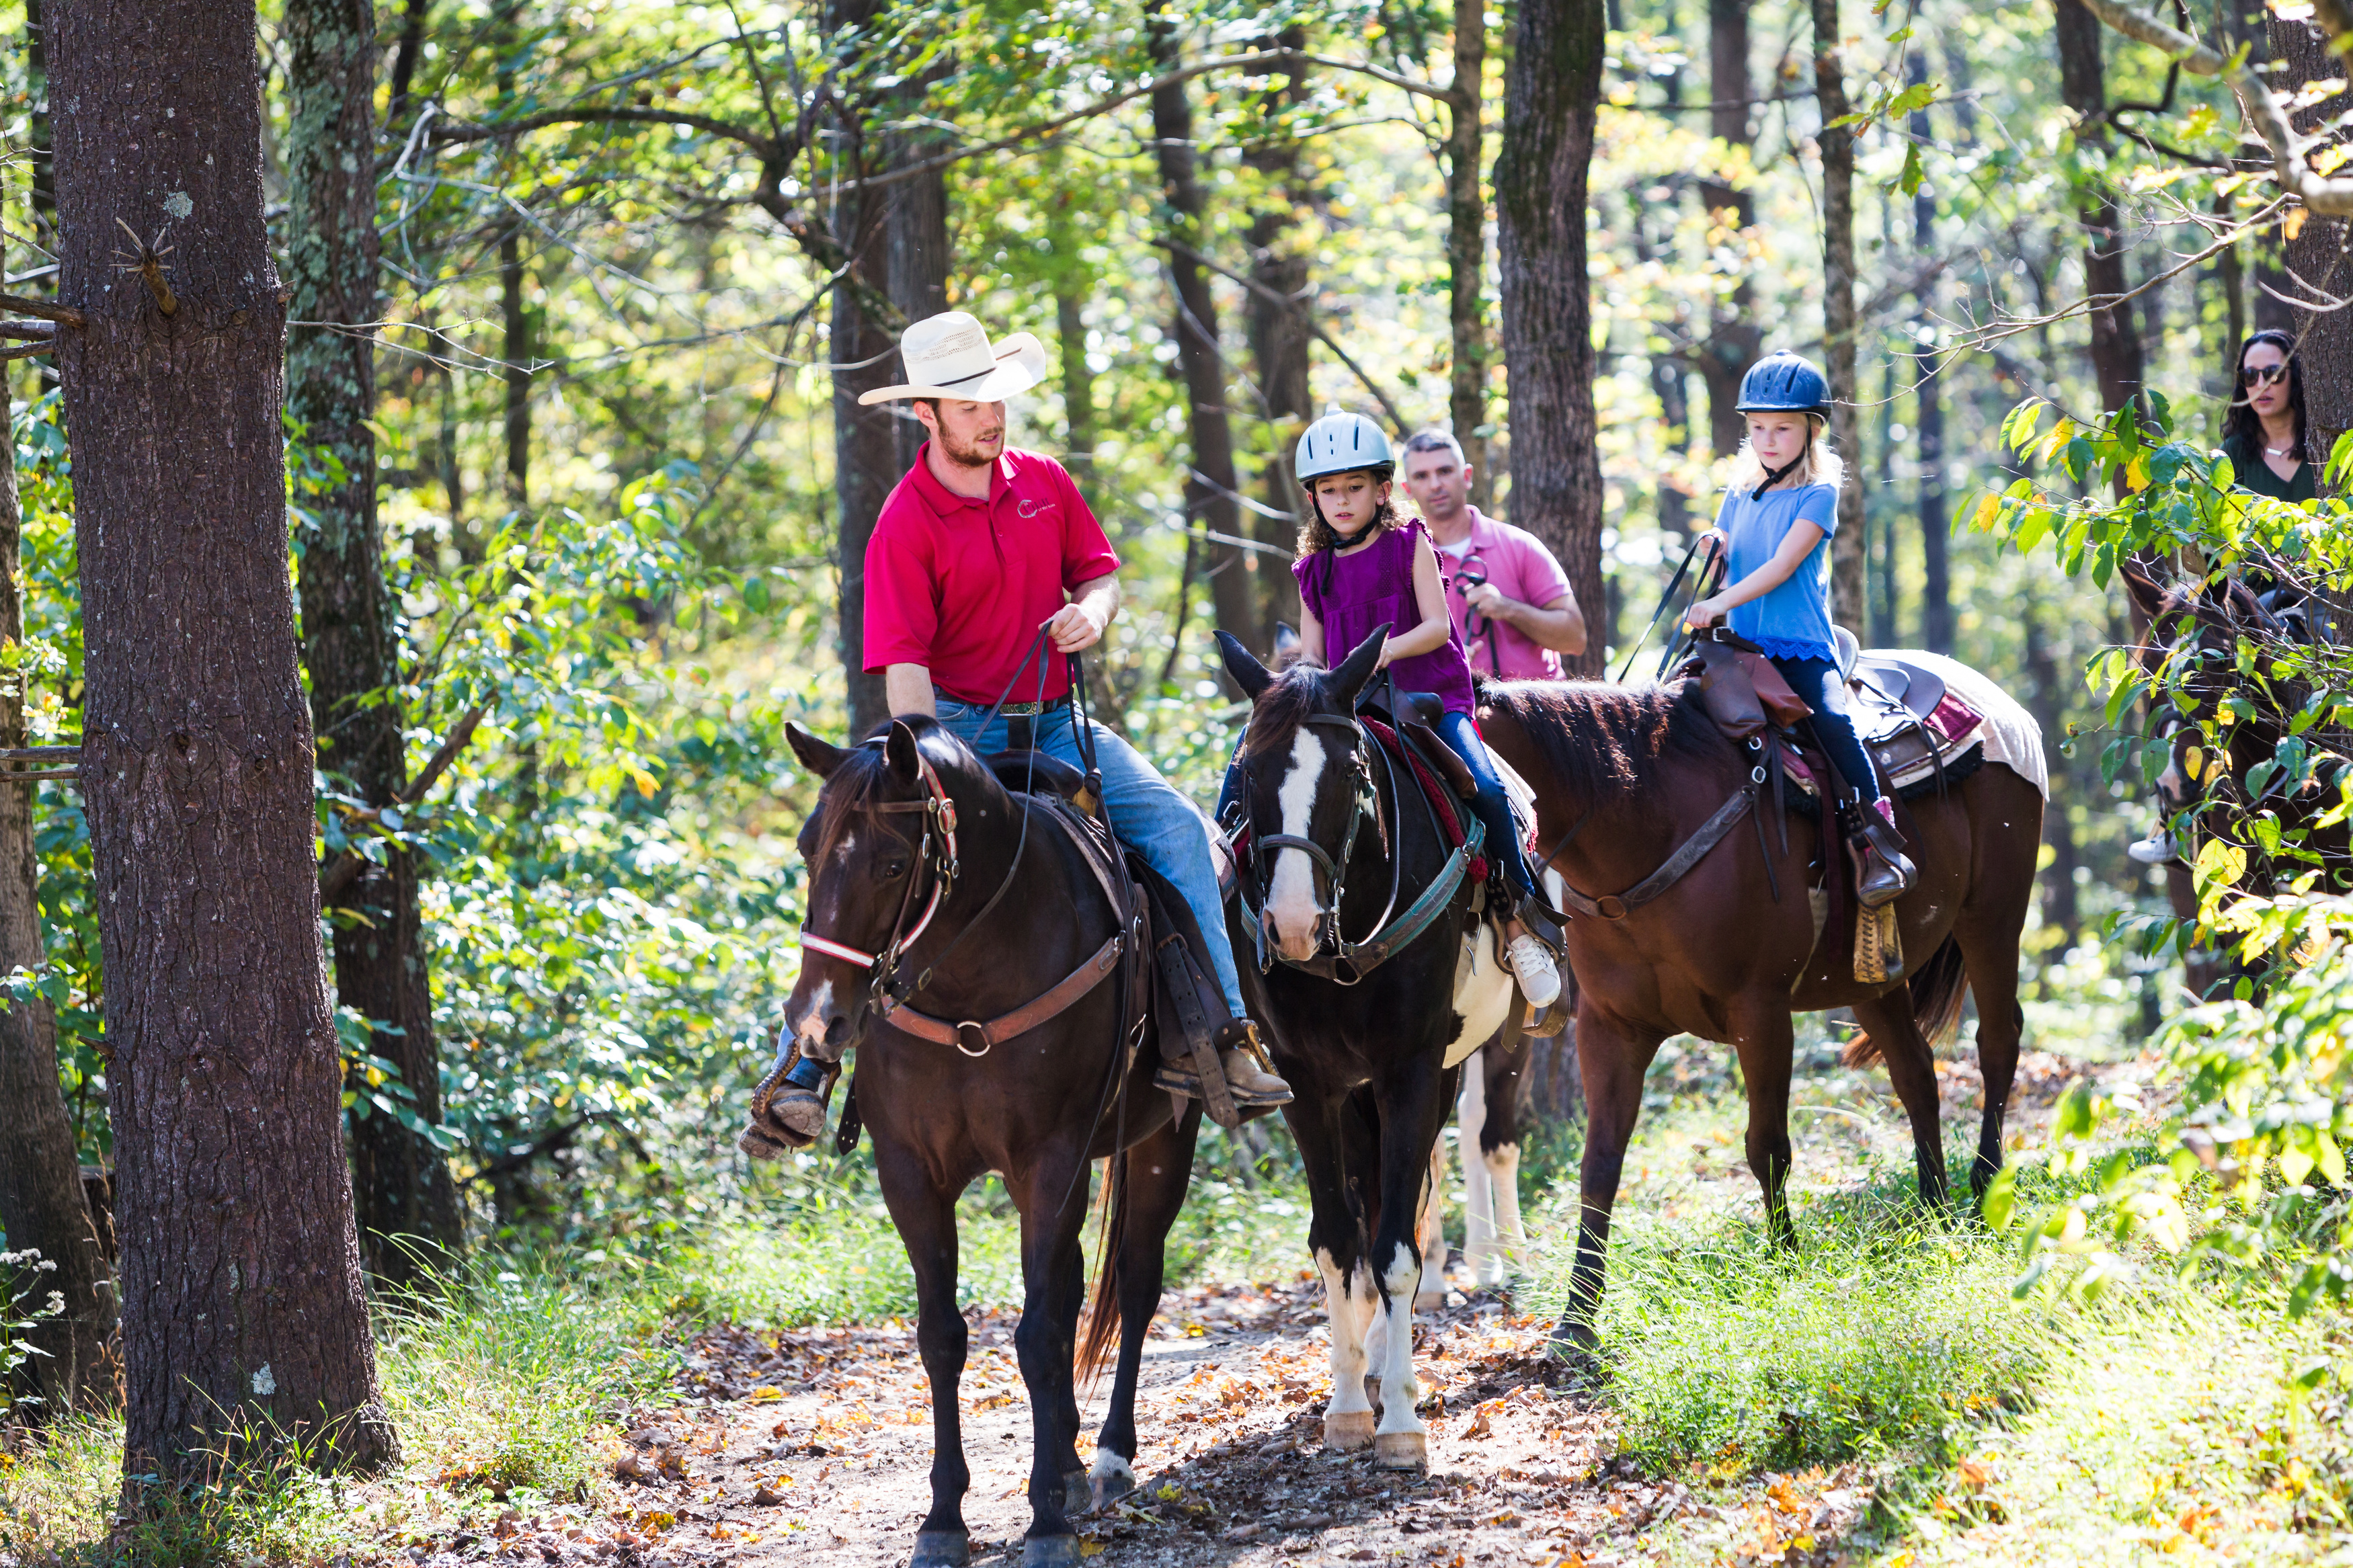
x=1793, y=621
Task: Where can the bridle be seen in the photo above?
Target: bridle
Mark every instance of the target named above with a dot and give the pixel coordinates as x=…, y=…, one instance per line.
x=938, y=853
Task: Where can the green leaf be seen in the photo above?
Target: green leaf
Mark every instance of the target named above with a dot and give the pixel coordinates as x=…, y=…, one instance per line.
x=1909, y=180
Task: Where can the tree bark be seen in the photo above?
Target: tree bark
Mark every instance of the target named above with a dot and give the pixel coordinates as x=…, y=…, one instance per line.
x=1279, y=338
x=1936, y=586
x=2316, y=257
x=1847, y=595
x=42, y=1207
x=1212, y=486
x=1552, y=88
x=243, y=1315
x=407, y=1208
x=1466, y=244
x=2116, y=347
x=2060, y=909
x=1072, y=289
x=1735, y=341
x=915, y=236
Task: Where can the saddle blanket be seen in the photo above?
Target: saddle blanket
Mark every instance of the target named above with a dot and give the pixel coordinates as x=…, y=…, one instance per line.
x=2006, y=729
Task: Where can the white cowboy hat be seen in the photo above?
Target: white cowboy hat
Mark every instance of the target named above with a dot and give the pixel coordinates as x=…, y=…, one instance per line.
x=948, y=355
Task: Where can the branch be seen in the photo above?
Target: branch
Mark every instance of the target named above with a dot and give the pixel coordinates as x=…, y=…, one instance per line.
x=764, y=146
x=336, y=877
x=48, y=309
x=1308, y=321
x=2329, y=198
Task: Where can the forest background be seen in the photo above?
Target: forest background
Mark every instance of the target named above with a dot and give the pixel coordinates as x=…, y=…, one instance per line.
x=635, y=260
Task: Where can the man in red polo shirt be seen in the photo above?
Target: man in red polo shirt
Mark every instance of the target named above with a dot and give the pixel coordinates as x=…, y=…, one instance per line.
x=976, y=549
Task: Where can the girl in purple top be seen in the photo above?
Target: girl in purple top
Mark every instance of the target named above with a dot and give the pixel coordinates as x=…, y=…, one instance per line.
x=1361, y=567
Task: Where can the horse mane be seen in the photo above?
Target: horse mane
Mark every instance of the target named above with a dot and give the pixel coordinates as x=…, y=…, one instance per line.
x=1602, y=740
x=858, y=785
x=1283, y=706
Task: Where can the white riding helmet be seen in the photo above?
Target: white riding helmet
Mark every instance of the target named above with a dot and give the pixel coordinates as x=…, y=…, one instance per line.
x=1341, y=443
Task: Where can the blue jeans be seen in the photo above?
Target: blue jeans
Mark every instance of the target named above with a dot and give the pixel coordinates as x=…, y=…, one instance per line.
x=1816, y=680
x=1146, y=811
x=1493, y=805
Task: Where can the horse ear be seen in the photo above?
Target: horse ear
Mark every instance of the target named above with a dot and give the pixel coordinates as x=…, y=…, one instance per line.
x=1344, y=683
x=902, y=753
x=1286, y=646
x=815, y=755
x=2143, y=590
x=1241, y=664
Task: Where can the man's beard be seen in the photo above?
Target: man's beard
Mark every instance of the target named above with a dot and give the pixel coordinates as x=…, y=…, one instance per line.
x=968, y=456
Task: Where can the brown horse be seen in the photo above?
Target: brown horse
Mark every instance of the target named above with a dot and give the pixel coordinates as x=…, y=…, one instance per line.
x=1623, y=778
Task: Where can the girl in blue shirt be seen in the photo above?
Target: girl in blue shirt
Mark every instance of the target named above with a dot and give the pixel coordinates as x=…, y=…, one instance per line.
x=1774, y=529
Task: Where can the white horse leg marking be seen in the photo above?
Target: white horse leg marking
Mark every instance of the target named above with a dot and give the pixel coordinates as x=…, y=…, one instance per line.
x=1290, y=892
x=1479, y=1236
x=1349, y=1418
x=1401, y=1441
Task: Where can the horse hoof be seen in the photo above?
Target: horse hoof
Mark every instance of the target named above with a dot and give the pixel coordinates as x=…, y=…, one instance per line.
x=1348, y=1431
x=941, y=1549
x=1078, y=1493
x=1430, y=1301
x=1113, y=1478
x=1402, y=1451
x=1049, y=1551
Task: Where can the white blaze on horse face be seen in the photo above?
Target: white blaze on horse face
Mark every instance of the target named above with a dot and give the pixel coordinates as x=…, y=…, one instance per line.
x=1291, y=896
x=811, y=1027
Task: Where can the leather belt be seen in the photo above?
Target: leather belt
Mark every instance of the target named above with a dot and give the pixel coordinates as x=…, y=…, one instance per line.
x=1022, y=1019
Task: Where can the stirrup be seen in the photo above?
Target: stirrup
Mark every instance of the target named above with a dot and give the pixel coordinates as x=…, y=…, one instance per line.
x=1544, y=922
x=789, y=1113
x=1882, y=872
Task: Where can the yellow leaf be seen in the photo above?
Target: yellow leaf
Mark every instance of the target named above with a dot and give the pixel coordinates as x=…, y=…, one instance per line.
x=644, y=780
x=2292, y=224
x=2136, y=473
x=1088, y=1548
x=762, y=1395
x=1988, y=508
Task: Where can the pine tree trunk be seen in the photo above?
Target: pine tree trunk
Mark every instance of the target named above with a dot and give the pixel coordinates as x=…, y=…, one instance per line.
x=242, y=1307
x=1466, y=244
x=1277, y=319
x=1211, y=487
x=2116, y=347
x=915, y=239
x=1551, y=91
x=42, y=1207
x=2316, y=257
x=1735, y=341
x=1847, y=607
x=408, y=1208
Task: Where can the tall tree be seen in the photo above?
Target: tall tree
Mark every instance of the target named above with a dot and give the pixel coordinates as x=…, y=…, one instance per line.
x=2316, y=256
x=1735, y=341
x=1838, y=310
x=2116, y=347
x=1552, y=88
x=1212, y=487
x=42, y=1207
x=407, y=1206
x=1277, y=318
x=915, y=241
x=1937, y=587
x=1466, y=242
x=242, y=1307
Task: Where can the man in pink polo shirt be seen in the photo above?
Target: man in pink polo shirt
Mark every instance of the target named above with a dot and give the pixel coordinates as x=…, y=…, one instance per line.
x=1510, y=599
x=979, y=546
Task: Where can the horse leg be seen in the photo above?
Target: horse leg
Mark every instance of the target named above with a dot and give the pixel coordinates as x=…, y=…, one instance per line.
x=1611, y=1059
x=1912, y=1067
x=1412, y=1109
x=1766, y=1042
x=1052, y=1274
x=1482, y=1255
x=1988, y=940
x=1430, y=1233
x=1335, y=1236
x=925, y=1218
x=1158, y=1169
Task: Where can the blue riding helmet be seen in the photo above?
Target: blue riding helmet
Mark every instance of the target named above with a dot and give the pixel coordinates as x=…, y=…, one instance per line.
x=1784, y=382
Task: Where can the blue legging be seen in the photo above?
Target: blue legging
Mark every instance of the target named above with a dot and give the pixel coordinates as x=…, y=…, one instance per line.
x=1816, y=680
x=1493, y=805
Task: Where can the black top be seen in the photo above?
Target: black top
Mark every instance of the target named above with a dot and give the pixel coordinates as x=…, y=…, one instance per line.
x=2256, y=475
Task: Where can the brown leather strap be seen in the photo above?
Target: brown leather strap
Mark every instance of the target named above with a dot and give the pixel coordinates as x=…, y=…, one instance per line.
x=1609, y=907
x=1022, y=1019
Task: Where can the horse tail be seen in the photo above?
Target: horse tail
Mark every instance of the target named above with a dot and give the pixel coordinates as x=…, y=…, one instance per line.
x=1938, y=989
x=1102, y=1316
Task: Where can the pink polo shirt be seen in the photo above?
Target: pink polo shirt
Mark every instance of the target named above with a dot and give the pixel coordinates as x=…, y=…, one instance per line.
x=961, y=587
x=1517, y=564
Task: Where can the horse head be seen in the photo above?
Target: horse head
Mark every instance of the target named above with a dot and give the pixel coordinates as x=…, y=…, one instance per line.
x=1306, y=786
x=883, y=860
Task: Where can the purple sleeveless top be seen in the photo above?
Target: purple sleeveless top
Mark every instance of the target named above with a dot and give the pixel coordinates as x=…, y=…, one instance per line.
x=1374, y=585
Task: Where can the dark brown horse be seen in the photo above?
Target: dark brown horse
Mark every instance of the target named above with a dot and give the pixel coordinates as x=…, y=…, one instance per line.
x=1716, y=955
x=1035, y=1104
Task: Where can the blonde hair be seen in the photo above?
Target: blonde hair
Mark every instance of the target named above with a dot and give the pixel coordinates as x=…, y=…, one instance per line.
x=1820, y=464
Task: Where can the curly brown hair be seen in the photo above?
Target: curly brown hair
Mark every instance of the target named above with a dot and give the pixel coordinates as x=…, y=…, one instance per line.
x=1315, y=534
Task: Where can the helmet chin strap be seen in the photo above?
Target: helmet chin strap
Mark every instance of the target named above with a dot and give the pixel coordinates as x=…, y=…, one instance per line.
x=1774, y=476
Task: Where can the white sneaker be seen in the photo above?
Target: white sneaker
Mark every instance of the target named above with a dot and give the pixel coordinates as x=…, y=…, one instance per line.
x=1539, y=977
x=2156, y=850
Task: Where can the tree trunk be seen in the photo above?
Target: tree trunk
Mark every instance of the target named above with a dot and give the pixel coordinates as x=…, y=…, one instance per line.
x=408, y=1208
x=1278, y=339
x=915, y=239
x=1937, y=587
x=1212, y=486
x=2316, y=257
x=42, y=1207
x=2048, y=704
x=1551, y=89
x=2116, y=347
x=515, y=350
x=1073, y=286
x=1847, y=605
x=1734, y=342
x=36, y=91
x=1466, y=244
x=243, y=1315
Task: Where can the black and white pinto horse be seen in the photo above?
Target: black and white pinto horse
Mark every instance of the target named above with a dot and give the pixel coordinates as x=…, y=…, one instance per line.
x=1368, y=1014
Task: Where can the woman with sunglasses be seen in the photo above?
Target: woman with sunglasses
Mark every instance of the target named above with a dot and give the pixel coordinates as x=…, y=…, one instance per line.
x=2263, y=433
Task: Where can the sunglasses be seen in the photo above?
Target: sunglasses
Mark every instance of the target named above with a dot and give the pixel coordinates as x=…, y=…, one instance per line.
x=2263, y=376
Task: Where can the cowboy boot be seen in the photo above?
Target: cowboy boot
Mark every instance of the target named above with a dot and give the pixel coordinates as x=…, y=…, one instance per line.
x=1250, y=1075
x=1883, y=873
